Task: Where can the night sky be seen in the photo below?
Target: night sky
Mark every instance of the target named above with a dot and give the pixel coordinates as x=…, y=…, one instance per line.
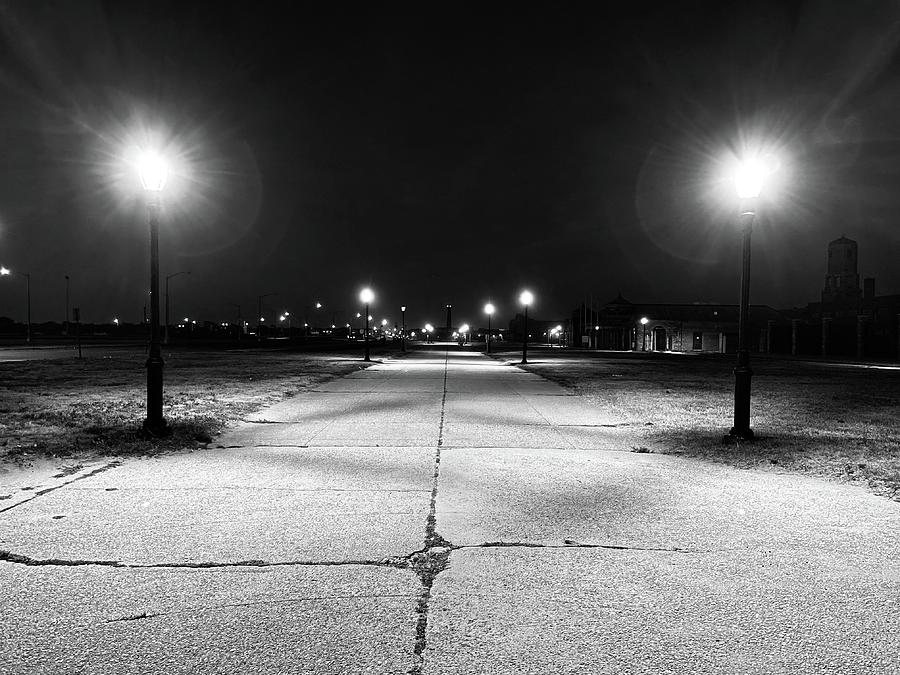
x=441, y=153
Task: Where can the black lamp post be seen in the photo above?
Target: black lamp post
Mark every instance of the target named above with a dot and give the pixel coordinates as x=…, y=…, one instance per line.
x=403, y=325
x=526, y=298
x=366, y=295
x=153, y=178
x=489, y=310
x=743, y=372
x=748, y=182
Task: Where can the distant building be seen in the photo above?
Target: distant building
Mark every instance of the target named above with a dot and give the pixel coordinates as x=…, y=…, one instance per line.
x=688, y=327
x=841, y=294
x=849, y=320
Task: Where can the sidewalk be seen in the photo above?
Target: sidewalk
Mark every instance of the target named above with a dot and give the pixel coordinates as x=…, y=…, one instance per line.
x=443, y=513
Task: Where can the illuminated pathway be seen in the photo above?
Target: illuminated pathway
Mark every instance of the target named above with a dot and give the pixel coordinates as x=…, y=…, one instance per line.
x=443, y=513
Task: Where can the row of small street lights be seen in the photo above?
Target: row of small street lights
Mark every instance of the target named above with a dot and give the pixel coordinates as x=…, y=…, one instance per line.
x=153, y=173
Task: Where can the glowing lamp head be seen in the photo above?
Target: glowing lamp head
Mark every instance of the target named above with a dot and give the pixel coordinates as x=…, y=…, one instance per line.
x=464, y=328
x=4, y=271
x=489, y=308
x=526, y=298
x=403, y=308
x=153, y=171
x=644, y=320
x=749, y=178
x=384, y=322
x=318, y=305
x=366, y=295
x=429, y=328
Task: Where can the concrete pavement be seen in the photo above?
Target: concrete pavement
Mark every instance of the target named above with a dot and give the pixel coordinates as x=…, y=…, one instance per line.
x=442, y=513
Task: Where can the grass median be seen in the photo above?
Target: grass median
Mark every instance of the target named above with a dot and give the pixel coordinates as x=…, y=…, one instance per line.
x=837, y=421
x=70, y=408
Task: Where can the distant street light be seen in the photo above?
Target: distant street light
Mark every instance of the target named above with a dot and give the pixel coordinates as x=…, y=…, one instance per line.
x=259, y=314
x=526, y=298
x=4, y=272
x=403, y=334
x=489, y=310
x=464, y=333
x=168, y=327
x=153, y=173
x=367, y=296
x=748, y=182
x=644, y=321
x=240, y=322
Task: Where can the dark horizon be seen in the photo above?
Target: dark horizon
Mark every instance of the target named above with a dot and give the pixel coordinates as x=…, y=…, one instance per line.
x=441, y=159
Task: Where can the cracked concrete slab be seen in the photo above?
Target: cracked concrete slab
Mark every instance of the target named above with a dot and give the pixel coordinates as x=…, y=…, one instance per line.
x=261, y=503
x=546, y=611
x=354, y=619
x=549, y=495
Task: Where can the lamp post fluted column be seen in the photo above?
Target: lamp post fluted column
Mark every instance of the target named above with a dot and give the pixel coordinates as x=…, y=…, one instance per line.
x=154, y=423
x=743, y=372
x=489, y=310
x=366, y=333
x=403, y=326
x=526, y=298
x=525, y=338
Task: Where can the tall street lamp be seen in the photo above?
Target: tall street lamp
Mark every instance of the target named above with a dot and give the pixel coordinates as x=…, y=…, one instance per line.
x=748, y=182
x=526, y=298
x=403, y=326
x=644, y=321
x=489, y=310
x=168, y=327
x=366, y=296
x=153, y=174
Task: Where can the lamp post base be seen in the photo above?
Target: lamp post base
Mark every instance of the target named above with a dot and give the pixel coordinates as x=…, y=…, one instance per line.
x=156, y=428
x=736, y=435
x=742, y=375
x=155, y=423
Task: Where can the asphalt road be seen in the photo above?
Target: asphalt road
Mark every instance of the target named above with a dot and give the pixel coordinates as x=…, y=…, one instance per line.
x=443, y=513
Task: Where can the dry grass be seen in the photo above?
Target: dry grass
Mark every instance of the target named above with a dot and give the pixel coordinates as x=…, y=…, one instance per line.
x=827, y=420
x=96, y=405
